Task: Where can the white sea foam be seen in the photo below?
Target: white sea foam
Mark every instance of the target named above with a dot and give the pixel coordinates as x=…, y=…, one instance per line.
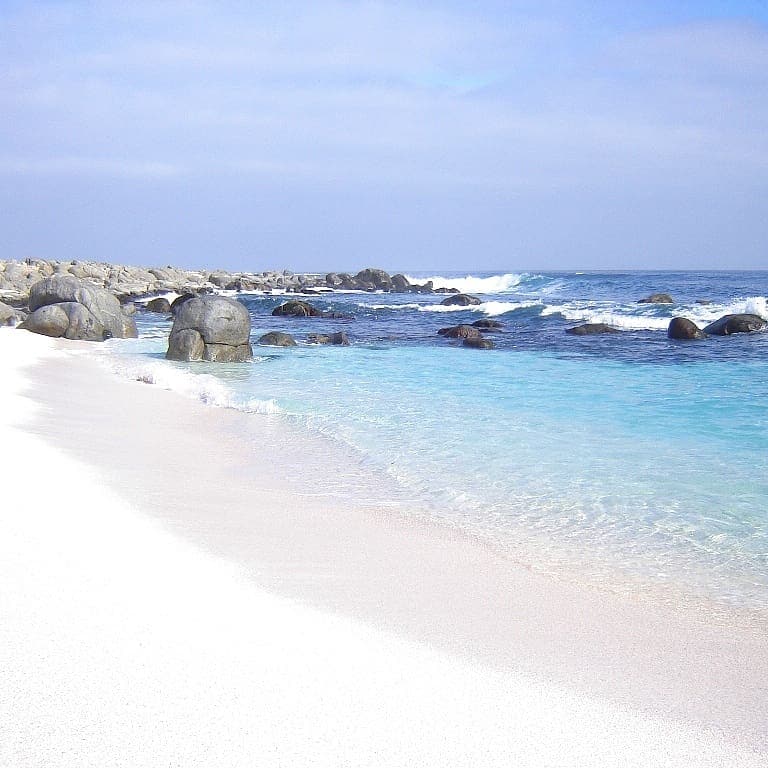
x=491, y=308
x=471, y=284
x=197, y=386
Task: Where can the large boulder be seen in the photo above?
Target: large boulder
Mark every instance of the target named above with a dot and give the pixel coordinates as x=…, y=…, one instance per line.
x=729, y=324
x=377, y=279
x=296, y=309
x=591, y=329
x=63, y=305
x=9, y=315
x=160, y=304
x=460, y=332
x=400, y=283
x=277, y=339
x=460, y=300
x=684, y=329
x=212, y=328
x=657, y=298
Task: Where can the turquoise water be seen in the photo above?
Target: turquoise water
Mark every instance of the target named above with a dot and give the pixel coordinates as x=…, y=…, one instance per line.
x=630, y=458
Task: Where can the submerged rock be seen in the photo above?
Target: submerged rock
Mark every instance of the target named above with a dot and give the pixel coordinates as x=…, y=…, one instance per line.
x=460, y=300
x=212, y=328
x=730, y=324
x=296, y=309
x=684, y=329
x=478, y=342
x=340, y=338
x=657, y=298
x=460, y=332
x=591, y=329
x=488, y=325
x=65, y=306
x=277, y=339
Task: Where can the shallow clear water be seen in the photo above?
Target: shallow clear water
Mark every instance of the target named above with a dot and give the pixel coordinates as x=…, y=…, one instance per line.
x=625, y=454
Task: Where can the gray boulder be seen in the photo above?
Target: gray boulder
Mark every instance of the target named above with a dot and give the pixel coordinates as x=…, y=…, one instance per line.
x=478, y=342
x=340, y=338
x=460, y=332
x=92, y=313
x=377, y=279
x=296, y=309
x=9, y=315
x=212, y=328
x=657, y=298
x=684, y=329
x=591, y=329
x=277, y=339
x=160, y=304
x=729, y=324
x=460, y=300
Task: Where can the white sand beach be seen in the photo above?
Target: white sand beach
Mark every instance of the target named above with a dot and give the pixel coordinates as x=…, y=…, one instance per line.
x=166, y=599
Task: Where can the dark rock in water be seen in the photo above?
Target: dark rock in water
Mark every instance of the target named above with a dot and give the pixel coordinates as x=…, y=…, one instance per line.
x=730, y=324
x=159, y=305
x=591, y=329
x=684, y=329
x=488, y=325
x=296, y=309
x=657, y=298
x=340, y=338
x=212, y=328
x=460, y=332
x=460, y=300
x=277, y=339
x=81, y=310
x=377, y=279
x=179, y=300
x=400, y=284
x=478, y=342
x=703, y=301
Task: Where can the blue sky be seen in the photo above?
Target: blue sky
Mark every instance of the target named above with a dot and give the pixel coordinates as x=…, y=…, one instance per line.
x=432, y=135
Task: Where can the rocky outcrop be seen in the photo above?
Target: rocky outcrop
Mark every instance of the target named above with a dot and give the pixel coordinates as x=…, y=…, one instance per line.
x=212, y=328
x=478, y=342
x=277, y=339
x=460, y=300
x=340, y=338
x=730, y=324
x=685, y=330
x=591, y=329
x=373, y=280
x=66, y=306
x=460, y=332
x=10, y=315
x=657, y=298
x=296, y=309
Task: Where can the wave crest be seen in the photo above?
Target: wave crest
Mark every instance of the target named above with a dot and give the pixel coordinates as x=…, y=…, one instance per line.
x=472, y=284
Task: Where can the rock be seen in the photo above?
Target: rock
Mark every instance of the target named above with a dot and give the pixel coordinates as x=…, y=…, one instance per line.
x=591, y=329
x=704, y=302
x=460, y=332
x=98, y=314
x=378, y=279
x=478, y=342
x=9, y=315
x=277, y=339
x=160, y=305
x=179, y=300
x=340, y=337
x=212, y=328
x=730, y=324
x=460, y=300
x=657, y=298
x=684, y=329
x=488, y=325
x=400, y=284
x=296, y=309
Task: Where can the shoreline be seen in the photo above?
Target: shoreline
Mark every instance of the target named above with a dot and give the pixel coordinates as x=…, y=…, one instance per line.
x=418, y=583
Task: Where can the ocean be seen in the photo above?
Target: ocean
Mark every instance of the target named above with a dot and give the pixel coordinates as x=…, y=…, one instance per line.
x=627, y=461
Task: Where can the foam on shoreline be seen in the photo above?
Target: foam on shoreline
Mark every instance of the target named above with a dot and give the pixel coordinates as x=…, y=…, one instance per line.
x=167, y=600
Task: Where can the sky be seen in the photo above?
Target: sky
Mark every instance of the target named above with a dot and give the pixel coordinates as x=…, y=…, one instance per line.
x=411, y=136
